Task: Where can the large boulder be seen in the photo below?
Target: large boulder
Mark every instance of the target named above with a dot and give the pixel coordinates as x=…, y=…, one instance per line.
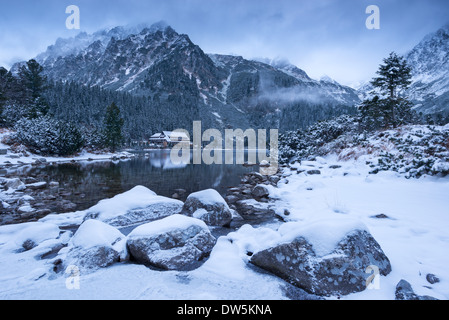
x=177, y=242
x=137, y=206
x=209, y=206
x=95, y=245
x=327, y=258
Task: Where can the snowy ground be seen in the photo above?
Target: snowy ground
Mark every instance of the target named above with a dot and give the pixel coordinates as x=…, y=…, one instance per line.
x=414, y=236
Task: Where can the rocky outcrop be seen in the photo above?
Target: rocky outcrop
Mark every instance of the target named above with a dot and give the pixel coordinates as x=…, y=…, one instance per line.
x=340, y=272
x=209, y=206
x=251, y=199
x=30, y=198
x=177, y=242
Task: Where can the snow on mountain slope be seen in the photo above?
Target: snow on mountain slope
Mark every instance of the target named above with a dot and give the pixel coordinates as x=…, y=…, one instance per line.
x=325, y=87
x=430, y=68
x=114, y=59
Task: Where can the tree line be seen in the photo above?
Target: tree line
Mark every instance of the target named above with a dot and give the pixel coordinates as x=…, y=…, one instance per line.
x=26, y=106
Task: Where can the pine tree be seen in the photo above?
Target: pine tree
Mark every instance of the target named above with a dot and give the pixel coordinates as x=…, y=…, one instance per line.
x=34, y=83
x=394, y=75
x=8, y=86
x=113, y=125
x=3, y=85
x=393, y=109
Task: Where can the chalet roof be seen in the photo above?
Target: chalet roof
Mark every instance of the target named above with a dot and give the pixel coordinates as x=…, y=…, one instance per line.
x=175, y=135
x=170, y=136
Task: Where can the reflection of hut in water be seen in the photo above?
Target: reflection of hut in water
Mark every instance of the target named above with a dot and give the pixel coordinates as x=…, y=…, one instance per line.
x=168, y=139
x=161, y=159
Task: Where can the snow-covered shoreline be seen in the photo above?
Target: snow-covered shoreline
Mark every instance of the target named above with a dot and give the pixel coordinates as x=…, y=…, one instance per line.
x=408, y=218
x=24, y=157
x=16, y=193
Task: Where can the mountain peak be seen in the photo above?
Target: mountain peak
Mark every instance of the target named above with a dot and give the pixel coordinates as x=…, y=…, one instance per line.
x=73, y=46
x=160, y=26
x=429, y=61
x=287, y=67
x=326, y=78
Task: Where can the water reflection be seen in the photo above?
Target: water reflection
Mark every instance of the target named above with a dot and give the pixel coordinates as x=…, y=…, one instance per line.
x=86, y=183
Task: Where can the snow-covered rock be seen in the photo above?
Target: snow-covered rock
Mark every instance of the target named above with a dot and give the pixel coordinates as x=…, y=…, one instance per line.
x=209, y=206
x=95, y=245
x=15, y=184
x=177, y=242
x=137, y=206
x=254, y=212
x=27, y=236
x=404, y=291
x=260, y=191
x=26, y=208
x=37, y=185
x=325, y=257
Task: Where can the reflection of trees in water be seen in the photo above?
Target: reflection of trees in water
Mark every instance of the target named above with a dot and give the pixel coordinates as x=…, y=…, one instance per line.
x=192, y=178
x=90, y=182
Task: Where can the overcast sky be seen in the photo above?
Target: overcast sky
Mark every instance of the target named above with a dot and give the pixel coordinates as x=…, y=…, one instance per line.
x=322, y=37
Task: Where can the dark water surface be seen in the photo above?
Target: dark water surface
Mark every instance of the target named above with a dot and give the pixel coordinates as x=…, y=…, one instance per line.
x=86, y=183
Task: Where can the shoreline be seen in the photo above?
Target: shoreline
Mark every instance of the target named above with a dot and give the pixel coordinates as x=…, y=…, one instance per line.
x=27, y=197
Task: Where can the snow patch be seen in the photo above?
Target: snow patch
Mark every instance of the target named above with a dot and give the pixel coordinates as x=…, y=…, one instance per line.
x=168, y=224
x=137, y=198
x=324, y=235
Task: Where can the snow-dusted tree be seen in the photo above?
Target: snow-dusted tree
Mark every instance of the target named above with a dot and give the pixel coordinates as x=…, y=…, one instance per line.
x=34, y=83
x=3, y=83
x=394, y=76
x=113, y=124
x=12, y=99
x=389, y=106
x=3, y=73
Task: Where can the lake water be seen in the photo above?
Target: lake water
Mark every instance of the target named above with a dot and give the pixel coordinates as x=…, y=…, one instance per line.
x=86, y=183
